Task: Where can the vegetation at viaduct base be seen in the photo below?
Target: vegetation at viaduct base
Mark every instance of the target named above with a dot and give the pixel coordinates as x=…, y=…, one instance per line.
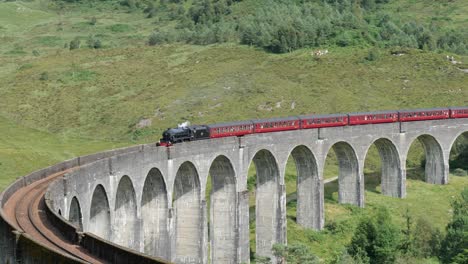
x=81, y=76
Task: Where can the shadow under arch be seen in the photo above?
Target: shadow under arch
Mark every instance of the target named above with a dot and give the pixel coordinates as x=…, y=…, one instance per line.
x=125, y=216
x=188, y=215
x=434, y=168
x=392, y=181
x=99, y=220
x=309, y=212
x=459, y=153
x=223, y=211
x=349, y=191
x=154, y=213
x=74, y=216
x=267, y=202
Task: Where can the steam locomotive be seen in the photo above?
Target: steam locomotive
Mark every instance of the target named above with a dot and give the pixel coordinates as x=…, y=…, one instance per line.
x=241, y=128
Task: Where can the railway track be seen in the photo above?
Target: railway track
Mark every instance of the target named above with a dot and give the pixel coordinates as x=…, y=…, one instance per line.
x=26, y=210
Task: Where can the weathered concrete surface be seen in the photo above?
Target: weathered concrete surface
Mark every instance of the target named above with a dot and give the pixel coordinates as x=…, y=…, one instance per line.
x=169, y=186
x=18, y=246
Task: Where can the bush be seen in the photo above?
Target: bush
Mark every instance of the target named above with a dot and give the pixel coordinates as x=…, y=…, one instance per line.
x=44, y=76
x=460, y=172
x=94, y=43
x=373, y=55
x=156, y=38
x=93, y=21
x=295, y=253
x=75, y=44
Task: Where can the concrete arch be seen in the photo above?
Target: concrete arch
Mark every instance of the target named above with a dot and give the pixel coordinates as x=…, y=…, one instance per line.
x=267, y=202
x=349, y=190
x=125, y=215
x=75, y=216
x=188, y=215
x=223, y=213
x=435, y=169
x=99, y=217
x=309, y=188
x=154, y=213
x=392, y=178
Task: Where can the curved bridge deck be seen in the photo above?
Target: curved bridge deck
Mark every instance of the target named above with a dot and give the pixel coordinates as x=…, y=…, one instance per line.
x=26, y=209
x=31, y=232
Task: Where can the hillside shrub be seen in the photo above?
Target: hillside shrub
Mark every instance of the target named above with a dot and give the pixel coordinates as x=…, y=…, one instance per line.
x=372, y=55
x=94, y=43
x=44, y=76
x=75, y=44
x=295, y=253
x=460, y=172
x=93, y=21
x=157, y=38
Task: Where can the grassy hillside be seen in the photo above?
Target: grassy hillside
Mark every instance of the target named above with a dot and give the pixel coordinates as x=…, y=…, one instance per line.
x=23, y=150
x=104, y=93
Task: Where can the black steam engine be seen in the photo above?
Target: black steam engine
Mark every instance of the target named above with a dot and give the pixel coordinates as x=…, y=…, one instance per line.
x=184, y=133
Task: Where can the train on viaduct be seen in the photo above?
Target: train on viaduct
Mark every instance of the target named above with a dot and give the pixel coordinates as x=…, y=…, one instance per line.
x=147, y=203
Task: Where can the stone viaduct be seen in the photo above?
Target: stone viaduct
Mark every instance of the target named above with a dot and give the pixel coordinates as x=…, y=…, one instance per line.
x=153, y=199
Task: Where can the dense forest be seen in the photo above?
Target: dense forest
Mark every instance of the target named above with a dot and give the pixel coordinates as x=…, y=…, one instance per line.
x=281, y=26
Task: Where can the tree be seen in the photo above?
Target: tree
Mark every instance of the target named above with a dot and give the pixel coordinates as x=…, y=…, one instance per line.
x=361, y=243
x=422, y=236
x=375, y=240
x=407, y=243
x=456, y=240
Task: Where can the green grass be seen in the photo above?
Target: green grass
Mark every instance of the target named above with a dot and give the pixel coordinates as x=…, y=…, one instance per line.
x=23, y=150
x=104, y=93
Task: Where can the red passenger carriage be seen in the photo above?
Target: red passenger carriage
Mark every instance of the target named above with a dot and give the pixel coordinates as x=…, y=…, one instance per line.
x=424, y=114
x=317, y=121
x=231, y=129
x=373, y=117
x=459, y=112
x=276, y=124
